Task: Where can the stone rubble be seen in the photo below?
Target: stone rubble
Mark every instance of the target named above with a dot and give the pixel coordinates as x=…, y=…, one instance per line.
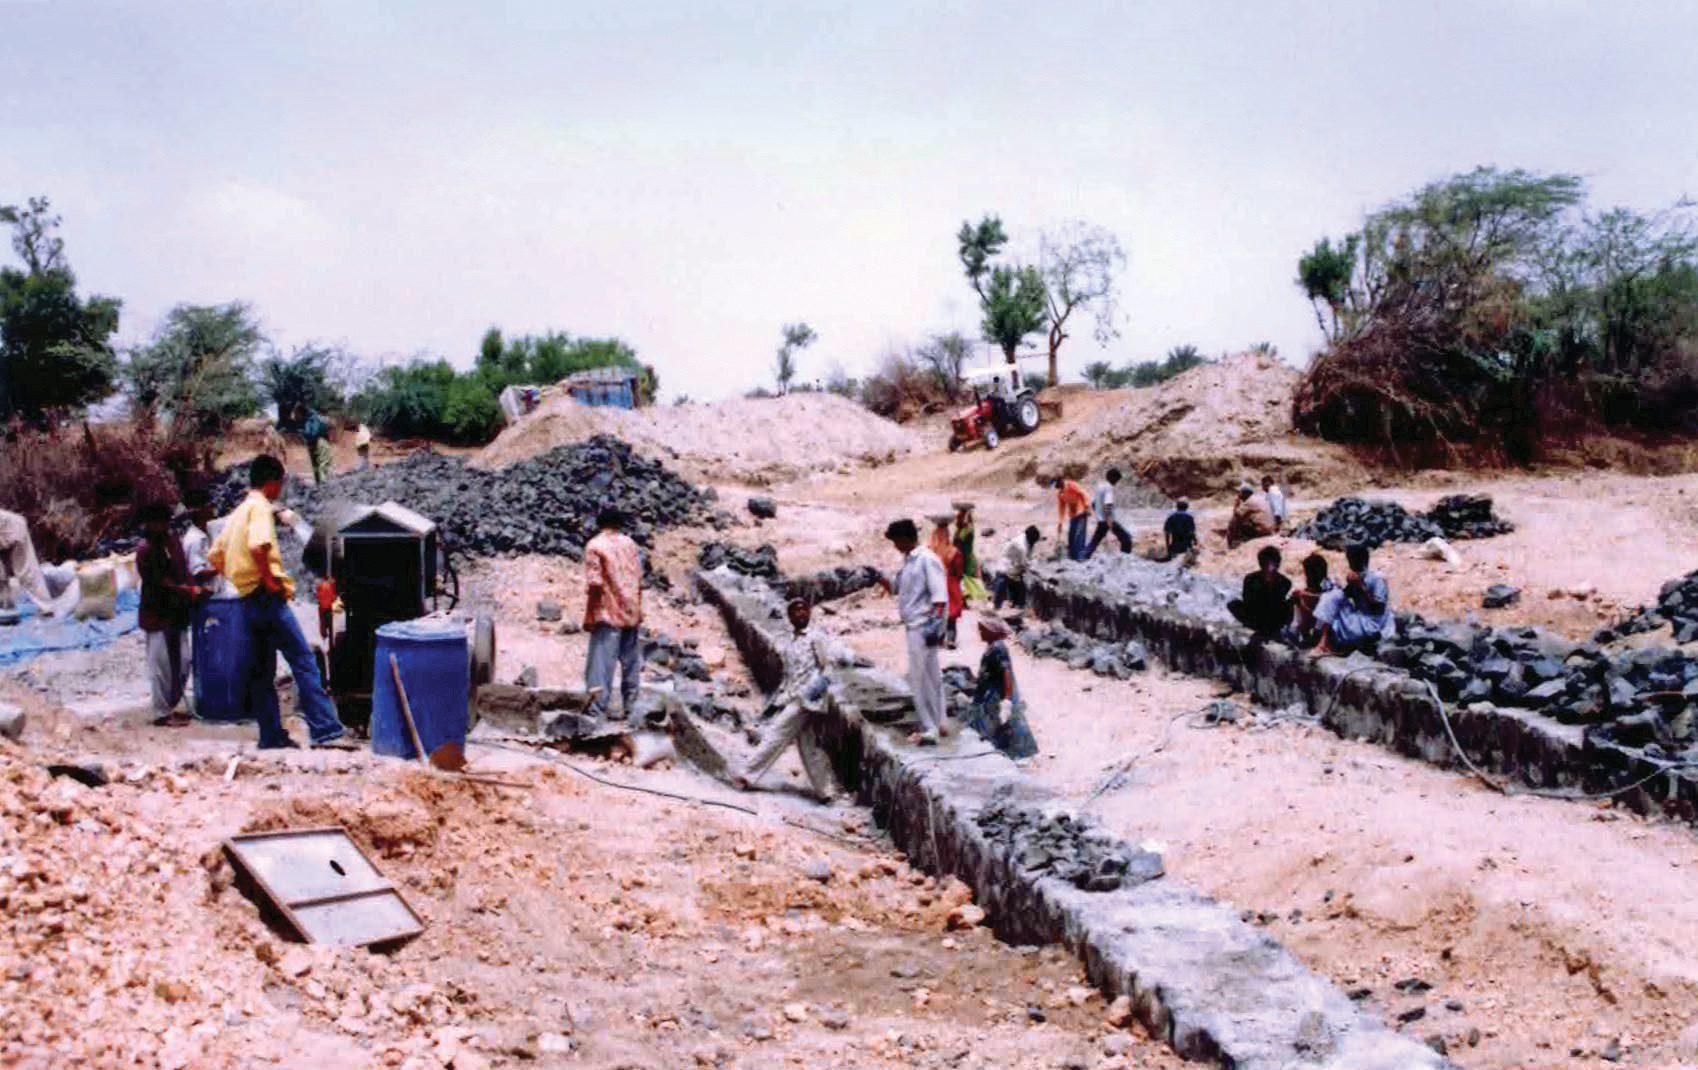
x=827, y=585
x=1115, y=659
x=1677, y=607
x=1374, y=523
x=1067, y=846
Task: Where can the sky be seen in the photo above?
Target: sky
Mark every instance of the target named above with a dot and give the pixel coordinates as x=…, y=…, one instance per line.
x=396, y=178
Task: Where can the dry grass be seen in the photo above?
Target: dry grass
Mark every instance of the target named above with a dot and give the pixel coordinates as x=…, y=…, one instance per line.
x=77, y=486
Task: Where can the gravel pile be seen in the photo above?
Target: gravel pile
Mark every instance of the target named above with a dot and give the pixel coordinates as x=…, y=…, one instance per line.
x=1375, y=523
x=1468, y=516
x=1677, y=606
x=1068, y=847
x=761, y=562
x=1119, y=660
x=545, y=505
x=1370, y=523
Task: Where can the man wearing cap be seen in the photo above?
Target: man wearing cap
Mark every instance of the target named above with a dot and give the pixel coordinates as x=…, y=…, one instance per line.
x=922, y=600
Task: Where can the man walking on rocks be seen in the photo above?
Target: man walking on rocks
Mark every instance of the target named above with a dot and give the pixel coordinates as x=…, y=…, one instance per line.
x=803, y=695
x=1102, y=507
x=613, y=613
x=247, y=553
x=922, y=600
x=1072, y=515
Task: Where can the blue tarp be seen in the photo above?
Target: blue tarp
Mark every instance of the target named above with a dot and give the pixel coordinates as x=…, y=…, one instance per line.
x=37, y=634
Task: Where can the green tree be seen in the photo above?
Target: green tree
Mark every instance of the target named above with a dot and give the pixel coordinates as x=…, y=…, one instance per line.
x=1324, y=273
x=470, y=413
x=1099, y=373
x=55, y=349
x=303, y=379
x=797, y=337
x=199, y=368
x=1011, y=297
x=1080, y=264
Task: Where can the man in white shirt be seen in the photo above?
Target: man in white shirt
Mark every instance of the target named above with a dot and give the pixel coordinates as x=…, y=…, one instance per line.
x=922, y=601
x=1102, y=507
x=1016, y=559
x=1276, y=502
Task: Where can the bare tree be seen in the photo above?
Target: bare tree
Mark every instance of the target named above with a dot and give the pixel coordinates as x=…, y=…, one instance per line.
x=797, y=337
x=1080, y=264
x=946, y=355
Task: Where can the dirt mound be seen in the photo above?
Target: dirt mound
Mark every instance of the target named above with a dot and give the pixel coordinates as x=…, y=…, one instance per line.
x=1203, y=431
x=752, y=440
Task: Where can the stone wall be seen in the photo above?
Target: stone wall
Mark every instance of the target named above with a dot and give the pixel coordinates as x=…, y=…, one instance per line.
x=1214, y=987
x=1373, y=701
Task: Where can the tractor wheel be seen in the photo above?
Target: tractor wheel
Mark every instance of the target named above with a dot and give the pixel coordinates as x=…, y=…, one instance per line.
x=1026, y=414
x=992, y=439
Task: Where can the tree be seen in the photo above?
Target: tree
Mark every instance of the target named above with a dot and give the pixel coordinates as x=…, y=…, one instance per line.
x=1324, y=273
x=946, y=355
x=303, y=379
x=797, y=337
x=1011, y=297
x=1099, y=373
x=55, y=349
x=1079, y=263
x=199, y=367
x=1264, y=349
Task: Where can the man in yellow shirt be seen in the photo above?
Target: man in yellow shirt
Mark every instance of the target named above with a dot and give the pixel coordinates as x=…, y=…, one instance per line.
x=247, y=554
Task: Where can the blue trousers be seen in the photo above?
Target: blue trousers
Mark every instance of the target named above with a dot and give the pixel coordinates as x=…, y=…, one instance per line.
x=272, y=630
x=610, y=646
x=1076, y=544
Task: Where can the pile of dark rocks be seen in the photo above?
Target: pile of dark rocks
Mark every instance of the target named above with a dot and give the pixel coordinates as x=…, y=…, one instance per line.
x=544, y=505
x=761, y=562
x=1636, y=697
x=1369, y=523
x=1080, y=651
x=1677, y=607
x=1071, y=848
x=679, y=659
x=1468, y=516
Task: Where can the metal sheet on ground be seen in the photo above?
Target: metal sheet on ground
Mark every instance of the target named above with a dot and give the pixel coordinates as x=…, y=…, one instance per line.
x=325, y=886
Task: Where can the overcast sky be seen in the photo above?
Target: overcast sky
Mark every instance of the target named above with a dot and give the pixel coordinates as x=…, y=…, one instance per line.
x=690, y=176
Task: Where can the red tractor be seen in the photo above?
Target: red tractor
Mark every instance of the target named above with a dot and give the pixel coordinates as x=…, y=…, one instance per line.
x=1002, y=405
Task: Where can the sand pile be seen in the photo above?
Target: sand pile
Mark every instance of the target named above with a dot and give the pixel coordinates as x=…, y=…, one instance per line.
x=1201, y=432
x=754, y=440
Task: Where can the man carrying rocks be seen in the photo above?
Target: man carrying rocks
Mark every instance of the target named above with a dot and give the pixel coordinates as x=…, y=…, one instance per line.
x=613, y=613
x=922, y=600
x=1359, y=616
x=246, y=552
x=1102, y=507
x=1264, y=606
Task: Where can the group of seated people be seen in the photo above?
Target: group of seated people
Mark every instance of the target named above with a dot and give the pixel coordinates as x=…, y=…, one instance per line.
x=1320, y=616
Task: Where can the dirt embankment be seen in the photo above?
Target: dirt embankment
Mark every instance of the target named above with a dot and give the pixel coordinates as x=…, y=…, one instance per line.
x=747, y=440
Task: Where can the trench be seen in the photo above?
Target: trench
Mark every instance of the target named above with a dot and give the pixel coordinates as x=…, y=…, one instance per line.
x=1198, y=977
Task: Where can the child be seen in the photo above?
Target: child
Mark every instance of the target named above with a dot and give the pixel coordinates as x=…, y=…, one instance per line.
x=998, y=714
x=803, y=694
x=1305, y=629
x=167, y=594
x=954, y=570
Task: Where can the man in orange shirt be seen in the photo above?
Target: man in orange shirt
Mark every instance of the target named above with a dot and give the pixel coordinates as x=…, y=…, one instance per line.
x=1073, y=512
x=613, y=613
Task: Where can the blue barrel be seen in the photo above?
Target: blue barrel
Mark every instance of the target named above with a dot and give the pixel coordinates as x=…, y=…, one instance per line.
x=436, y=671
x=223, y=660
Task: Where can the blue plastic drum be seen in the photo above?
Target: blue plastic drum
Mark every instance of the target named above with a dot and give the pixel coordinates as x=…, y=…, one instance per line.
x=436, y=672
x=223, y=660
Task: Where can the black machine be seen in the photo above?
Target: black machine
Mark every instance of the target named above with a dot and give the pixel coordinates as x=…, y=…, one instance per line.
x=388, y=564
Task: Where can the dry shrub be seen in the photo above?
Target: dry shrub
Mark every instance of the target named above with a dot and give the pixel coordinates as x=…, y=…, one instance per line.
x=80, y=486
x=904, y=389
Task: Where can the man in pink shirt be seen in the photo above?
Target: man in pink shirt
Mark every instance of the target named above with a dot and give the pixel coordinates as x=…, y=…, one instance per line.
x=613, y=612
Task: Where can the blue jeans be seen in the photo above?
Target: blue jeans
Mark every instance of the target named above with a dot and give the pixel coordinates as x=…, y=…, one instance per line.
x=272, y=630
x=610, y=646
x=1076, y=529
